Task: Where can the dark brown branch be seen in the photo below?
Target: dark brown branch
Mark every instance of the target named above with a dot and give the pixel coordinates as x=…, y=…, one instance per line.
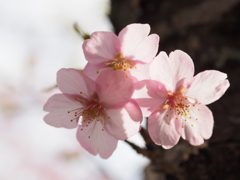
x=148, y=141
x=153, y=152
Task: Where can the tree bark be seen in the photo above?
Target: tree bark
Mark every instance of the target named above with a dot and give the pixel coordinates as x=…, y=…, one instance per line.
x=209, y=31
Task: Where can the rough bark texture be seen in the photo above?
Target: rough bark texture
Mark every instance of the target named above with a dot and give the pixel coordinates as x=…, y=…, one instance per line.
x=209, y=31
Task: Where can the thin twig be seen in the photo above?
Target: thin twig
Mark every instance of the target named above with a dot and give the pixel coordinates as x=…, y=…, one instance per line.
x=139, y=150
x=154, y=154
x=80, y=32
x=148, y=141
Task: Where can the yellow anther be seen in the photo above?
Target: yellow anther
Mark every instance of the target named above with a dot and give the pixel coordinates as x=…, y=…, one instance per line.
x=182, y=90
x=119, y=63
x=170, y=93
x=165, y=106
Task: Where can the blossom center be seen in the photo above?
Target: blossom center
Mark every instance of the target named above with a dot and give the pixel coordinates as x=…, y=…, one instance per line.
x=91, y=109
x=178, y=103
x=180, y=106
x=120, y=63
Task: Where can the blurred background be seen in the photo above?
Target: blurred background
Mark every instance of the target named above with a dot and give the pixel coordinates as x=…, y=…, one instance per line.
x=37, y=39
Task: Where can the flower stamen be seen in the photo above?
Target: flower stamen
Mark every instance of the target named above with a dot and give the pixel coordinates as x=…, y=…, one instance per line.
x=120, y=63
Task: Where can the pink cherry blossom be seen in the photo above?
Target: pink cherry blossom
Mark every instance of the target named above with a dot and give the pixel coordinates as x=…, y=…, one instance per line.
x=102, y=110
x=175, y=101
x=130, y=51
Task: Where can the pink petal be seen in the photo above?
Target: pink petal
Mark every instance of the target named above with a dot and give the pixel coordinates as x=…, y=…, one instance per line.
x=160, y=131
x=136, y=44
x=92, y=71
x=156, y=89
x=208, y=86
x=95, y=140
x=199, y=126
x=150, y=95
x=170, y=70
x=140, y=89
x=205, y=120
x=141, y=73
x=143, y=99
x=115, y=89
x=72, y=81
x=101, y=47
x=125, y=122
x=58, y=106
x=192, y=135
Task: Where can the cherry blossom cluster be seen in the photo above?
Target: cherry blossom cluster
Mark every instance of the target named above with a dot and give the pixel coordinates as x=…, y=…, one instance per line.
x=125, y=81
